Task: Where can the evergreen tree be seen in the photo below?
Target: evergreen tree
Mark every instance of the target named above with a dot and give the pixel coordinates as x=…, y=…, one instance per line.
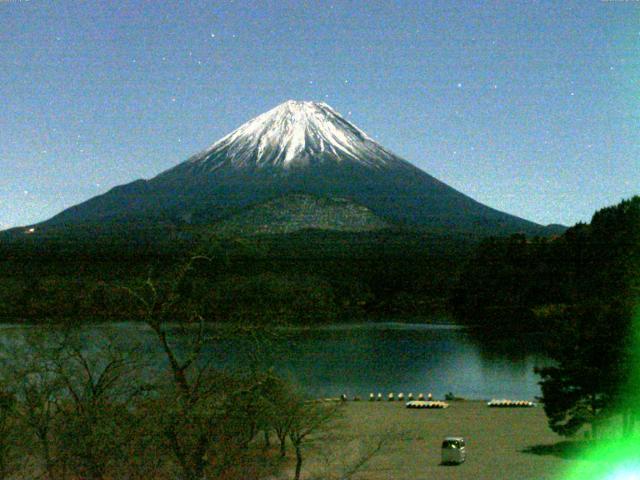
x=592, y=335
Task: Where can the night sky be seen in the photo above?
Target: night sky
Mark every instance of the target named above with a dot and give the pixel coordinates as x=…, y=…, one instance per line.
x=529, y=107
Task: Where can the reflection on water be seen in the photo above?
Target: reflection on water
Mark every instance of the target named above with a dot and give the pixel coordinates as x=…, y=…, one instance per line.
x=359, y=359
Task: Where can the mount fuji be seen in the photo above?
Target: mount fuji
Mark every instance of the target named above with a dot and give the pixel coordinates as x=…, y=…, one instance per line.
x=306, y=152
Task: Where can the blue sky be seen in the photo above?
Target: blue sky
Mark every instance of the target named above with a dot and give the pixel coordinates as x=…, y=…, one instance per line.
x=529, y=107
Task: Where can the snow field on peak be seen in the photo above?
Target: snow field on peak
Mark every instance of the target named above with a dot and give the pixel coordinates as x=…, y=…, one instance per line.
x=291, y=133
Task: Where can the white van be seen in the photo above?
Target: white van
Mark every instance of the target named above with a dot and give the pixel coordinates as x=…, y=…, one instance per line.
x=453, y=450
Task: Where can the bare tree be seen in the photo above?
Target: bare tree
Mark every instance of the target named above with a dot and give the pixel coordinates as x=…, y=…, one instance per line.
x=279, y=404
x=29, y=371
x=203, y=421
x=209, y=419
x=94, y=423
x=8, y=454
x=40, y=390
x=74, y=394
x=161, y=303
x=309, y=418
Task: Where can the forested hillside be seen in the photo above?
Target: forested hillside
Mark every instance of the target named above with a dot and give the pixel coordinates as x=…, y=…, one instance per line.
x=305, y=277
x=527, y=284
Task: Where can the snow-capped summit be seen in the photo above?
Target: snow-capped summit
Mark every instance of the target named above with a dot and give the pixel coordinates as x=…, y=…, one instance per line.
x=294, y=134
x=297, y=148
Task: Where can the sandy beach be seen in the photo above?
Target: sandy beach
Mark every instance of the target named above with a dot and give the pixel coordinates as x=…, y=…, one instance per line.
x=504, y=444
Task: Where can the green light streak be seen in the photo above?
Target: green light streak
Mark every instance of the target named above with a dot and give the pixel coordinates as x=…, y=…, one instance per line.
x=616, y=458
x=619, y=458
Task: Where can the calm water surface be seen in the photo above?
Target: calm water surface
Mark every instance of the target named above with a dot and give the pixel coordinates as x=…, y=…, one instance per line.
x=363, y=358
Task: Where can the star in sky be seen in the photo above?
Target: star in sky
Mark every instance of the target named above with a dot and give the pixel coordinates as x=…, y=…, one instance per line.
x=70, y=73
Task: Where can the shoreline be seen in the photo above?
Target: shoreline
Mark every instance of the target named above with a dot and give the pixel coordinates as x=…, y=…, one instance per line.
x=359, y=323
x=512, y=441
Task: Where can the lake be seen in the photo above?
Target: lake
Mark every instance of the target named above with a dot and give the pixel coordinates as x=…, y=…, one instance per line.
x=357, y=359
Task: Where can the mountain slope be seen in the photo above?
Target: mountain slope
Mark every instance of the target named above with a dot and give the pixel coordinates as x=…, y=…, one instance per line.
x=297, y=147
x=298, y=212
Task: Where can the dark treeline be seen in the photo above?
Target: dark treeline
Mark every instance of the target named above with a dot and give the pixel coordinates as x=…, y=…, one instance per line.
x=507, y=281
x=501, y=284
x=582, y=291
x=522, y=284
x=307, y=277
